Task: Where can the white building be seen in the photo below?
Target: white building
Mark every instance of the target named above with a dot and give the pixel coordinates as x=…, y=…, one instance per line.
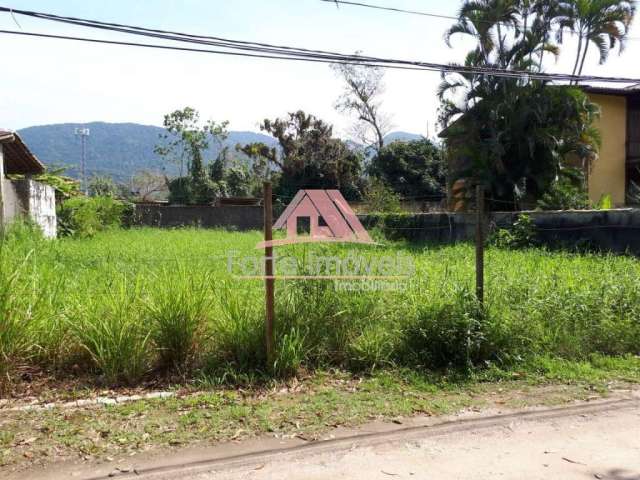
x=24, y=197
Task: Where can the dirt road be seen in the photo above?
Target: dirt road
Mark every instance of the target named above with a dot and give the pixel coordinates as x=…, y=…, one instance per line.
x=592, y=440
x=600, y=445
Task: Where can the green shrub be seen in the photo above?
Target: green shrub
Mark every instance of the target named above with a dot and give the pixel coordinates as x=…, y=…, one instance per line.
x=567, y=192
x=379, y=198
x=85, y=216
x=522, y=235
x=447, y=334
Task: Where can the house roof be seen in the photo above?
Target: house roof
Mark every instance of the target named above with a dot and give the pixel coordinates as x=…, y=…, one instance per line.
x=630, y=91
x=18, y=159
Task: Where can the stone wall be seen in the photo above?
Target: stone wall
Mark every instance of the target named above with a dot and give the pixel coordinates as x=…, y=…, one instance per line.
x=231, y=217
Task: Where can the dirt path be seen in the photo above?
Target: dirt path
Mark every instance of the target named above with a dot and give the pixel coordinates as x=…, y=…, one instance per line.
x=598, y=440
x=603, y=445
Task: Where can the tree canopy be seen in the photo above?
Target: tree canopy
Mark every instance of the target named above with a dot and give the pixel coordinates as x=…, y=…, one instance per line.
x=414, y=170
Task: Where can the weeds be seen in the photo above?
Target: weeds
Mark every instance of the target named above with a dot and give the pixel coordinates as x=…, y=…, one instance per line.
x=178, y=309
x=112, y=332
x=129, y=302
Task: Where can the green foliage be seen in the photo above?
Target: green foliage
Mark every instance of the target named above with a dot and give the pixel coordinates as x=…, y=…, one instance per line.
x=65, y=187
x=603, y=23
x=186, y=191
x=178, y=310
x=121, y=309
x=379, y=198
x=113, y=332
x=100, y=186
x=605, y=203
x=237, y=331
x=85, y=216
x=514, y=134
x=567, y=192
x=447, y=335
x=311, y=157
x=185, y=142
x=523, y=234
x=413, y=169
x=18, y=302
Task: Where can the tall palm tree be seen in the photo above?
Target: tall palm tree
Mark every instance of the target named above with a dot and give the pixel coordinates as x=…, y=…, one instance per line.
x=486, y=20
x=605, y=23
x=547, y=13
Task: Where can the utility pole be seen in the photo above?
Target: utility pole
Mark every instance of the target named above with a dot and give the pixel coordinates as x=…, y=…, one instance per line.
x=83, y=133
x=269, y=275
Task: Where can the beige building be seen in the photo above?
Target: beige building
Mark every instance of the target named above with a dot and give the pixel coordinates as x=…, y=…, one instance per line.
x=617, y=170
x=615, y=173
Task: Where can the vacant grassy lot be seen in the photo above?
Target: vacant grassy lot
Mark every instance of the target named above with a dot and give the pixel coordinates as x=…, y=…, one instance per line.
x=126, y=306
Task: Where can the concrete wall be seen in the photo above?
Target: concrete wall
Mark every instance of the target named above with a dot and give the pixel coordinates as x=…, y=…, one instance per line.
x=42, y=207
x=608, y=173
x=15, y=204
x=33, y=199
x=612, y=230
x=237, y=218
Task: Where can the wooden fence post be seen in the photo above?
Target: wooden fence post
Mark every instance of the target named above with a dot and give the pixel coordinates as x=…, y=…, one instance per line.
x=480, y=243
x=269, y=273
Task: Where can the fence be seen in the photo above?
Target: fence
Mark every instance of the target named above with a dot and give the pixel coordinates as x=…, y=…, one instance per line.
x=231, y=217
x=607, y=230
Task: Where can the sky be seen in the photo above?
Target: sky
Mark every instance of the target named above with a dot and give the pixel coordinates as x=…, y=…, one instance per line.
x=47, y=81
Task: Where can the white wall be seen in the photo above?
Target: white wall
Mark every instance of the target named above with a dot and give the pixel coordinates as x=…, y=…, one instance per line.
x=33, y=199
x=42, y=207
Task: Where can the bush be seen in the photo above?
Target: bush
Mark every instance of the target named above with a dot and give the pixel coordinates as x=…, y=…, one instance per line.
x=447, y=334
x=379, y=198
x=521, y=235
x=83, y=216
x=187, y=191
x=567, y=192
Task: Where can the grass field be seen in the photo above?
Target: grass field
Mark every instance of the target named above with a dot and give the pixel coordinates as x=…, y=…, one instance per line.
x=132, y=304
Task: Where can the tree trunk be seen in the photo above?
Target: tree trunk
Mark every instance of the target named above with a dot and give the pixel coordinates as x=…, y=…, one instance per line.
x=584, y=57
x=575, y=67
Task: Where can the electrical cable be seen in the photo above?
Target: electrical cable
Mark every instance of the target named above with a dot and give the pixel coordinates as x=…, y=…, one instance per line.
x=263, y=50
x=416, y=12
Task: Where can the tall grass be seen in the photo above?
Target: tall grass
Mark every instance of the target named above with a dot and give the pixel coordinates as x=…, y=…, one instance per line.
x=177, y=308
x=111, y=330
x=133, y=303
x=19, y=301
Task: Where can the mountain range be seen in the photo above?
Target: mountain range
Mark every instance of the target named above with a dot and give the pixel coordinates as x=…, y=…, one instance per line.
x=119, y=150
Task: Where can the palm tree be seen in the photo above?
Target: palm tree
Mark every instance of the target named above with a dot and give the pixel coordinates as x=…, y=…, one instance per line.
x=485, y=20
x=547, y=13
x=605, y=23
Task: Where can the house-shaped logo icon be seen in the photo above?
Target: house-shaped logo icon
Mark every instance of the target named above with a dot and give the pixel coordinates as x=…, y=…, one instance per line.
x=327, y=215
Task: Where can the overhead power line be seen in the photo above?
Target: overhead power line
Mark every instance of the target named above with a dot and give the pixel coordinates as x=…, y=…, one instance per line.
x=226, y=46
x=390, y=9
x=412, y=12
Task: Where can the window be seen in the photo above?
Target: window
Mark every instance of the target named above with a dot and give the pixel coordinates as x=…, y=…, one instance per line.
x=303, y=225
